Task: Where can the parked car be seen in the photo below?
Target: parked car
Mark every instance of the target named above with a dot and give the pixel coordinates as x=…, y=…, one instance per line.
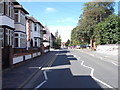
x=83, y=46
x=77, y=46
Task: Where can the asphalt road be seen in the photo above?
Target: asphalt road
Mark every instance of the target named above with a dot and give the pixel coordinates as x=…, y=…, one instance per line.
x=79, y=69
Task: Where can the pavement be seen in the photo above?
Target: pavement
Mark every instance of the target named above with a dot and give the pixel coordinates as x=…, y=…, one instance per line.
x=22, y=74
x=102, y=55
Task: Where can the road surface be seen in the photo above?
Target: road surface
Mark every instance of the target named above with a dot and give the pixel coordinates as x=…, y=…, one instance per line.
x=78, y=69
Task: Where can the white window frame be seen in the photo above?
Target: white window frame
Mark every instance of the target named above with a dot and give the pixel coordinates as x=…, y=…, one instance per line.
x=18, y=16
x=7, y=12
x=23, y=39
x=22, y=17
x=18, y=40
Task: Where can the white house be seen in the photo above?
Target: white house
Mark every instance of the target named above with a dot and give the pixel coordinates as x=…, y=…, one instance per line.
x=6, y=23
x=46, y=39
x=20, y=36
x=34, y=32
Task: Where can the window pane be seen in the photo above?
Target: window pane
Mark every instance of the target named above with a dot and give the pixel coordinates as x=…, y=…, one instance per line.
x=35, y=27
x=16, y=34
x=16, y=11
x=1, y=8
x=16, y=17
x=7, y=8
x=22, y=19
x=16, y=42
x=7, y=43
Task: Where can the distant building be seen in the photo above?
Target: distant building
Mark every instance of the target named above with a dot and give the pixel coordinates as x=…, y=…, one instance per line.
x=46, y=39
x=52, y=40
x=63, y=44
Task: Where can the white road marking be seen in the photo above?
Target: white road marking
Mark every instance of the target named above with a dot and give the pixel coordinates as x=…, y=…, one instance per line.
x=46, y=78
x=92, y=71
x=40, y=85
x=106, y=56
x=75, y=56
x=45, y=74
x=101, y=57
x=92, y=55
x=114, y=63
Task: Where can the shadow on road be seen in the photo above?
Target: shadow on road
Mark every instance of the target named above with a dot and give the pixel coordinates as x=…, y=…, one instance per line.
x=63, y=78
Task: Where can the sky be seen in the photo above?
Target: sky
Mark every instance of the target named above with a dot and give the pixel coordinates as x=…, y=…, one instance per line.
x=57, y=16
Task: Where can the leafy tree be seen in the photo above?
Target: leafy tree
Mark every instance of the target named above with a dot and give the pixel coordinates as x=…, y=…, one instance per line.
x=57, y=43
x=93, y=13
x=107, y=32
x=67, y=43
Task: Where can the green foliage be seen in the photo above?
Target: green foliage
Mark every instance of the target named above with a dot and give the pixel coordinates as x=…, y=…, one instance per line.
x=89, y=26
x=67, y=43
x=57, y=43
x=107, y=32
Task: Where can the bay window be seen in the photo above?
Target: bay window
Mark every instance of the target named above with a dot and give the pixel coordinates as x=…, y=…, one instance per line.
x=19, y=17
x=9, y=37
x=20, y=40
x=22, y=18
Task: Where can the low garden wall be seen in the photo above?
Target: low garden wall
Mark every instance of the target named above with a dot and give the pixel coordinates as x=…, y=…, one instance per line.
x=25, y=57
x=111, y=49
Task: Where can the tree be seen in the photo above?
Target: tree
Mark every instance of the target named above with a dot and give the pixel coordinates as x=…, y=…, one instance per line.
x=57, y=43
x=67, y=43
x=93, y=13
x=107, y=32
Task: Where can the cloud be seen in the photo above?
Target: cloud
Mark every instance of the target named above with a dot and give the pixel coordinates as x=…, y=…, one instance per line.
x=50, y=10
x=66, y=20
x=64, y=31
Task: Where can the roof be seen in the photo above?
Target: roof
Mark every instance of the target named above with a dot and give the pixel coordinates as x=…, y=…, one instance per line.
x=53, y=36
x=34, y=20
x=14, y=2
x=20, y=7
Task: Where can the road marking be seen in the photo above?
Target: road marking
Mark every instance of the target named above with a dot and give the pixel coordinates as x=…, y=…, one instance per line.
x=40, y=85
x=75, y=56
x=92, y=55
x=114, y=63
x=101, y=57
x=92, y=72
x=46, y=78
x=45, y=74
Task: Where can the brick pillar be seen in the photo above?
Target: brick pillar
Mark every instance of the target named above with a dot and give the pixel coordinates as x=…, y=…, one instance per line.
x=7, y=56
x=11, y=55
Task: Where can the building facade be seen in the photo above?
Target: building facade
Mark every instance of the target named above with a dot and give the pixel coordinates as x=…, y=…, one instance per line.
x=6, y=23
x=18, y=33
x=20, y=27
x=52, y=41
x=34, y=33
